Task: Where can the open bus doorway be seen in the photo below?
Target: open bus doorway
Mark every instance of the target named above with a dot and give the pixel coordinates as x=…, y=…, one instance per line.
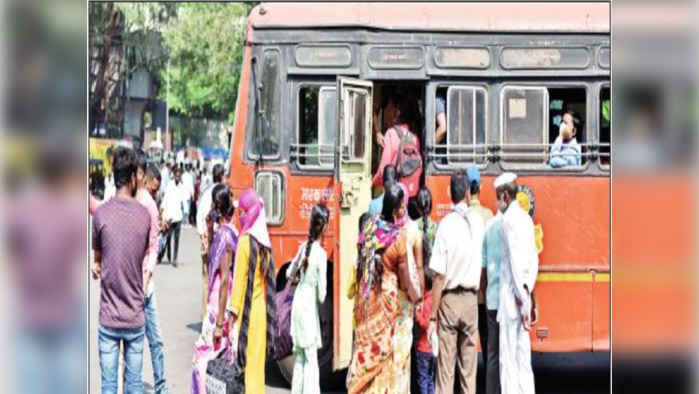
x=387, y=98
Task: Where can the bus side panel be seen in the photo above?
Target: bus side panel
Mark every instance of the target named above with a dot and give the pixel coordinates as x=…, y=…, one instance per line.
x=572, y=292
x=600, y=312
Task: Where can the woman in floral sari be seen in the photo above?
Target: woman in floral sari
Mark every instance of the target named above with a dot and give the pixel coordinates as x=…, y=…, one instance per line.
x=214, y=329
x=382, y=266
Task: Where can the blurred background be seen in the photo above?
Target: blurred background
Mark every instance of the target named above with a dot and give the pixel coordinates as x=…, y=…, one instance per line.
x=654, y=196
x=51, y=103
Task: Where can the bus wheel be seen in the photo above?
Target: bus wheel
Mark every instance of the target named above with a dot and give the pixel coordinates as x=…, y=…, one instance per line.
x=325, y=354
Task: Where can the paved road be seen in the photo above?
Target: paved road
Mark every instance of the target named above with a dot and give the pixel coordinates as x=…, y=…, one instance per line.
x=179, y=303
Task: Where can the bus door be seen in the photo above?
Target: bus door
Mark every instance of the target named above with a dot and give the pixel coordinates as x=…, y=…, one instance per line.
x=353, y=186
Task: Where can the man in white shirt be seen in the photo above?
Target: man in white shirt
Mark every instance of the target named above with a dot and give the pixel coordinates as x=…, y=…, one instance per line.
x=456, y=262
x=202, y=212
x=518, y=272
x=188, y=182
x=173, y=207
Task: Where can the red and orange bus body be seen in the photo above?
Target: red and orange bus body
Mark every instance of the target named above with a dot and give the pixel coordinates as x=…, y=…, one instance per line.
x=501, y=54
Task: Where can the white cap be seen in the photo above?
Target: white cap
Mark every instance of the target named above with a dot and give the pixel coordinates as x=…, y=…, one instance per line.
x=504, y=179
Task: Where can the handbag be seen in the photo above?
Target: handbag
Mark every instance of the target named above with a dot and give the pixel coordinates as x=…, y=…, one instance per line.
x=284, y=300
x=223, y=376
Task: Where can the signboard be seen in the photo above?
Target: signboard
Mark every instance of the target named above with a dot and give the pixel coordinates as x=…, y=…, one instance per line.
x=545, y=58
x=386, y=58
x=474, y=58
x=323, y=56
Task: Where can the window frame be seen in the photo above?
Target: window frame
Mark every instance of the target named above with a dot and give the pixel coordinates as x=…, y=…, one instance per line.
x=606, y=85
x=465, y=85
x=546, y=85
x=322, y=86
x=251, y=155
x=351, y=159
x=282, y=194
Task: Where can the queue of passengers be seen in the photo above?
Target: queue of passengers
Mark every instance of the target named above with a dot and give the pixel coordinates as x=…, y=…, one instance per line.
x=470, y=250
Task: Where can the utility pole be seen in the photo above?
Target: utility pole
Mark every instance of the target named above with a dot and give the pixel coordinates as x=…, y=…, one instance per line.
x=167, y=104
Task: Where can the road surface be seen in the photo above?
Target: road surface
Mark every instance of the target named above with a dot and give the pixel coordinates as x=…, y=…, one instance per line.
x=179, y=302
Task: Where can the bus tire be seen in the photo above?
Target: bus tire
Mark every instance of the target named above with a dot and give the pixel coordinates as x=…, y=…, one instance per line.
x=325, y=354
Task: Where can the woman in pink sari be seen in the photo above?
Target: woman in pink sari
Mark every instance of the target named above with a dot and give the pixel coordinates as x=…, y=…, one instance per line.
x=214, y=330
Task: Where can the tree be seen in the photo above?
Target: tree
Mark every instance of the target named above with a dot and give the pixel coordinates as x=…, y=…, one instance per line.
x=205, y=44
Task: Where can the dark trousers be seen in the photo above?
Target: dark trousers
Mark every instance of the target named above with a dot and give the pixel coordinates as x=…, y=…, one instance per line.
x=492, y=369
x=425, y=372
x=483, y=332
x=174, y=229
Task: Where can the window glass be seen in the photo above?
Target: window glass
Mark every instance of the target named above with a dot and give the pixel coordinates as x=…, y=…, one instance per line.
x=353, y=138
x=317, y=125
x=524, y=125
x=466, y=123
x=359, y=115
x=269, y=187
x=327, y=125
x=268, y=135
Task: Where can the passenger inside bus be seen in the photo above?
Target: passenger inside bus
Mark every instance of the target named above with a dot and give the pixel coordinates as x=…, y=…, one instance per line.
x=565, y=151
x=566, y=129
x=400, y=104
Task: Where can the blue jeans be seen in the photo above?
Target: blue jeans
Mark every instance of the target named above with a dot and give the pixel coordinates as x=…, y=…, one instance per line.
x=425, y=372
x=109, y=340
x=155, y=342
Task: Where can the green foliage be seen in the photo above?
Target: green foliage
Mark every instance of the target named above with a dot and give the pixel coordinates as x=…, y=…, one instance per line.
x=205, y=44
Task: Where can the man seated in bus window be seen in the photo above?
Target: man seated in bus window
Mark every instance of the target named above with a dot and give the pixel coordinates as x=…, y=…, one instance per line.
x=565, y=151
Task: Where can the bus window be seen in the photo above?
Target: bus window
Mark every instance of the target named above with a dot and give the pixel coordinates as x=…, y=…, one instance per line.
x=466, y=124
x=524, y=125
x=605, y=128
x=316, y=133
x=271, y=80
x=571, y=101
x=270, y=187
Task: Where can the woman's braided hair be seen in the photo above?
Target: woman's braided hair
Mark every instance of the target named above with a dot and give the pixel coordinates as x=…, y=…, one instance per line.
x=319, y=219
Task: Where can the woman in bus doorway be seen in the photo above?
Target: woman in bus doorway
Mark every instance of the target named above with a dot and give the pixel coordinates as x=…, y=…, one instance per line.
x=252, y=300
x=382, y=266
x=311, y=264
x=215, y=327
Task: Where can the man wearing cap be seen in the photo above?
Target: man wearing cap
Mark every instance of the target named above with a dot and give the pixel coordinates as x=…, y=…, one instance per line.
x=456, y=262
x=518, y=270
x=474, y=178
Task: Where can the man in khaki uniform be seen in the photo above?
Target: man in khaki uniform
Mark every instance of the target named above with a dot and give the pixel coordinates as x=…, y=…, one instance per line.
x=456, y=262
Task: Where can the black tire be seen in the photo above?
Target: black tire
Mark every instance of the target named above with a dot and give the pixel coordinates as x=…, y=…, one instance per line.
x=325, y=355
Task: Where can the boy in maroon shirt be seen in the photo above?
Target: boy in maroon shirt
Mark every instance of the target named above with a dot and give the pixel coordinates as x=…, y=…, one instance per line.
x=120, y=235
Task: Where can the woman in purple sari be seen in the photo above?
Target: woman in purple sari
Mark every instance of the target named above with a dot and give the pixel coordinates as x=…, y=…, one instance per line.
x=214, y=329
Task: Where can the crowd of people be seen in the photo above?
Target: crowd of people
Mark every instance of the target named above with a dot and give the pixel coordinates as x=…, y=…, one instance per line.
x=421, y=290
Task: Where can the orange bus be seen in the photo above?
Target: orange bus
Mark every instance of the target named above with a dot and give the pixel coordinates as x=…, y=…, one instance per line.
x=313, y=76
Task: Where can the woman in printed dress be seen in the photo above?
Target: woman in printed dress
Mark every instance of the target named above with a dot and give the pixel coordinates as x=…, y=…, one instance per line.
x=311, y=264
x=383, y=264
x=214, y=329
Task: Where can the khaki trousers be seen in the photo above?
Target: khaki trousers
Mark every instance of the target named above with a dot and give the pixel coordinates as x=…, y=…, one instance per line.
x=457, y=329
